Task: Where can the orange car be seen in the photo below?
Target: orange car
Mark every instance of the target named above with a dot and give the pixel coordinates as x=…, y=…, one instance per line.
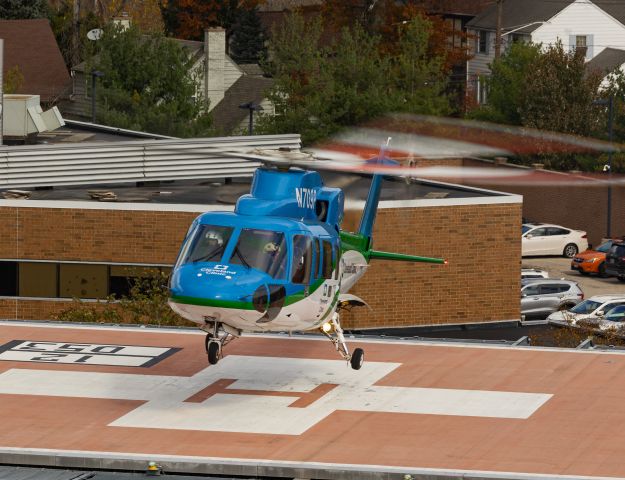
x=592, y=261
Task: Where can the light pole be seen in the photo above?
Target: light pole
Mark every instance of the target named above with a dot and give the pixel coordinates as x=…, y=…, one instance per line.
x=252, y=107
x=94, y=75
x=610, y=104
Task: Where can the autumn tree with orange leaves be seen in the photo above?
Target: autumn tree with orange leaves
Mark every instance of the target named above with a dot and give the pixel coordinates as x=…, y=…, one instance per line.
x=388, y=18
x=188, y=18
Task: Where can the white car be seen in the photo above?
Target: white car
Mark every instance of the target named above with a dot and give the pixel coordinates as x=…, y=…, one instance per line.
x=592, y=309
x=547, y=239
x=530, y=273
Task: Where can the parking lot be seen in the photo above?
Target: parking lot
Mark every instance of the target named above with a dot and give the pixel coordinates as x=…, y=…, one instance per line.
x=560, y=267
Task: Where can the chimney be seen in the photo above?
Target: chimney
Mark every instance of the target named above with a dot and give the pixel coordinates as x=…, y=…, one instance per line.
x=215, y=55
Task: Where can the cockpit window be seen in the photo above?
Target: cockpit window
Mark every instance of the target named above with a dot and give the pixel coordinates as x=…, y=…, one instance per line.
x=206, y=244
x=263, y=250
x=302, y=259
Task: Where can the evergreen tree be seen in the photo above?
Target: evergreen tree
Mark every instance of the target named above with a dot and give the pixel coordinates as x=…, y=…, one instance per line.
x=248, y=38
x=23, y=9
x=319, y=90
x=148, y=84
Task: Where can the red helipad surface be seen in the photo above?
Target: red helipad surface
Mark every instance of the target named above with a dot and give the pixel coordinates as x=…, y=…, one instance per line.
x=421, y=406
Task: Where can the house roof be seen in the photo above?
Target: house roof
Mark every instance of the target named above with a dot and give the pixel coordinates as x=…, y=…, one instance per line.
x=30, y=44
x=517, y=13
x=521, y=12
x=607, y=60
x=455, y=7
x=227, y=115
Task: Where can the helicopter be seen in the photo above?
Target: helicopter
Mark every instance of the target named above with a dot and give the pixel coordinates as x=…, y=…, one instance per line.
x=281, y=262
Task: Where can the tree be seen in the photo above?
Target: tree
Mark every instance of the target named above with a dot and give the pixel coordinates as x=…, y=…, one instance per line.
x=145, y=14
x=61, y=22
x=188, y=18
x=248, y=38
x=506, y=84
x=559, y=93
x=319, y=90
x=23, y=9
x=13, y=80
x=148, y=84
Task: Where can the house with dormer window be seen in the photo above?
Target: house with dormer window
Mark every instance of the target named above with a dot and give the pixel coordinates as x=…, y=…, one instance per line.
x=590, y=25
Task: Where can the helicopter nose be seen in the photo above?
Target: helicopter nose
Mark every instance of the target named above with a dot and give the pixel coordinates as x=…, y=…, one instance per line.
x=268, y=299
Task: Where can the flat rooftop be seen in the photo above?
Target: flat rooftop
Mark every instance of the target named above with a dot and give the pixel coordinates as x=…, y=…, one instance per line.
x=116, y=398
x=211, y=192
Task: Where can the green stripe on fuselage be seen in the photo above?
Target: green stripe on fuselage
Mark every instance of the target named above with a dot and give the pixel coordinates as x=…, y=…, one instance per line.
x=241, y=305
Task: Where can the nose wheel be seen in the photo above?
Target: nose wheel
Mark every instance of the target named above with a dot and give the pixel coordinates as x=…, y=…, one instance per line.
x=216, y=338
x=334, y=332
x=213, y=350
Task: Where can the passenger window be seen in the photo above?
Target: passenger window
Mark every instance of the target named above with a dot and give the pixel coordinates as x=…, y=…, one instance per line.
x=317, y=259
x=563, y=288
x=548, y=289
x=558, y=231
x=327, y=260
x=302, y=259
x=531, y=290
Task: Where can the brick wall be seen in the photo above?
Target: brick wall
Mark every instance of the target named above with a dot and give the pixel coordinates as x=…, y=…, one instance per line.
x=481, y=242
x=573, y=205
x=481, y=282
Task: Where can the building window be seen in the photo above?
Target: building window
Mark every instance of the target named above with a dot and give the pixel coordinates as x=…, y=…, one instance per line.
x=456, y=36
x=8, y=279
x=581, y=44
x=71, y=280
x=38, y=280
x=481, y=42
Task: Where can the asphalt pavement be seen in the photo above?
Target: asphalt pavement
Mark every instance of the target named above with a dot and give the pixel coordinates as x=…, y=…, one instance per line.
x=560, y=267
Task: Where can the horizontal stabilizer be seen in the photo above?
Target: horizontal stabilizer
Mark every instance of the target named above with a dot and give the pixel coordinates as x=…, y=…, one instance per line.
x=373, y=254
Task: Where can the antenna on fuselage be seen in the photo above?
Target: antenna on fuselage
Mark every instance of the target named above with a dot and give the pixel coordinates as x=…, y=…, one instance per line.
x=373, y=198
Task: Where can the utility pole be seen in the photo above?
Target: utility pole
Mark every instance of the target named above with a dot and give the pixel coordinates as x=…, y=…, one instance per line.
x=610, y=137
x=75, y=33
x=498, y=31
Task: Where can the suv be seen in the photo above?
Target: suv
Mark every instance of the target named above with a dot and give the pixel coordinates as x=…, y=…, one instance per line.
x=615, y=260
x=592, y=261
x=541, y=297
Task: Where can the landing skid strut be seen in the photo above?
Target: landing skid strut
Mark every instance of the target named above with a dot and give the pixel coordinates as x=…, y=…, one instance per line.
x=335, y=335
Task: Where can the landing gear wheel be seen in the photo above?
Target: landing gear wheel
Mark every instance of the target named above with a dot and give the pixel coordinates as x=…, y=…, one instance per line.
x=358, y=358
x=570, y=250
x=213, y=351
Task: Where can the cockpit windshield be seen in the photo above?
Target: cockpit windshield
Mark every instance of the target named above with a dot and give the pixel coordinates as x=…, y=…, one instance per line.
x=206, y=244
x=263, y=250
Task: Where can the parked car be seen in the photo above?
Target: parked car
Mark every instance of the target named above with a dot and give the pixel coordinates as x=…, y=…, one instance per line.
x=533, y=273
x=592, y=309
x=613, y=319
x=547, y=239
x=615, y=260
x=540, y=297
x=592, y=261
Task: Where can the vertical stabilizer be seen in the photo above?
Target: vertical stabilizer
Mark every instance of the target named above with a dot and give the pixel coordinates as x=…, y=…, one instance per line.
x=373, y=198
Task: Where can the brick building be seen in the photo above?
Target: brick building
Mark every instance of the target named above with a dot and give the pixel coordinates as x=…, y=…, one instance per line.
x=54, y=250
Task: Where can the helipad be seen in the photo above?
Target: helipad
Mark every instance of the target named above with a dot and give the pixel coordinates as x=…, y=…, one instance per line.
x=116, y=398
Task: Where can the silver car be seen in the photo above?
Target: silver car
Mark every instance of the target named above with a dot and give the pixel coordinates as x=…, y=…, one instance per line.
x=541, y=297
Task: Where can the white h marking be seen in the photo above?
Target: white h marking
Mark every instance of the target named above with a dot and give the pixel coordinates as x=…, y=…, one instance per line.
x=166, y=395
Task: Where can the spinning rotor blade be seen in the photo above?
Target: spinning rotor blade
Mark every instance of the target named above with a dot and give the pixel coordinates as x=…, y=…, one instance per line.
x=427, y=140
